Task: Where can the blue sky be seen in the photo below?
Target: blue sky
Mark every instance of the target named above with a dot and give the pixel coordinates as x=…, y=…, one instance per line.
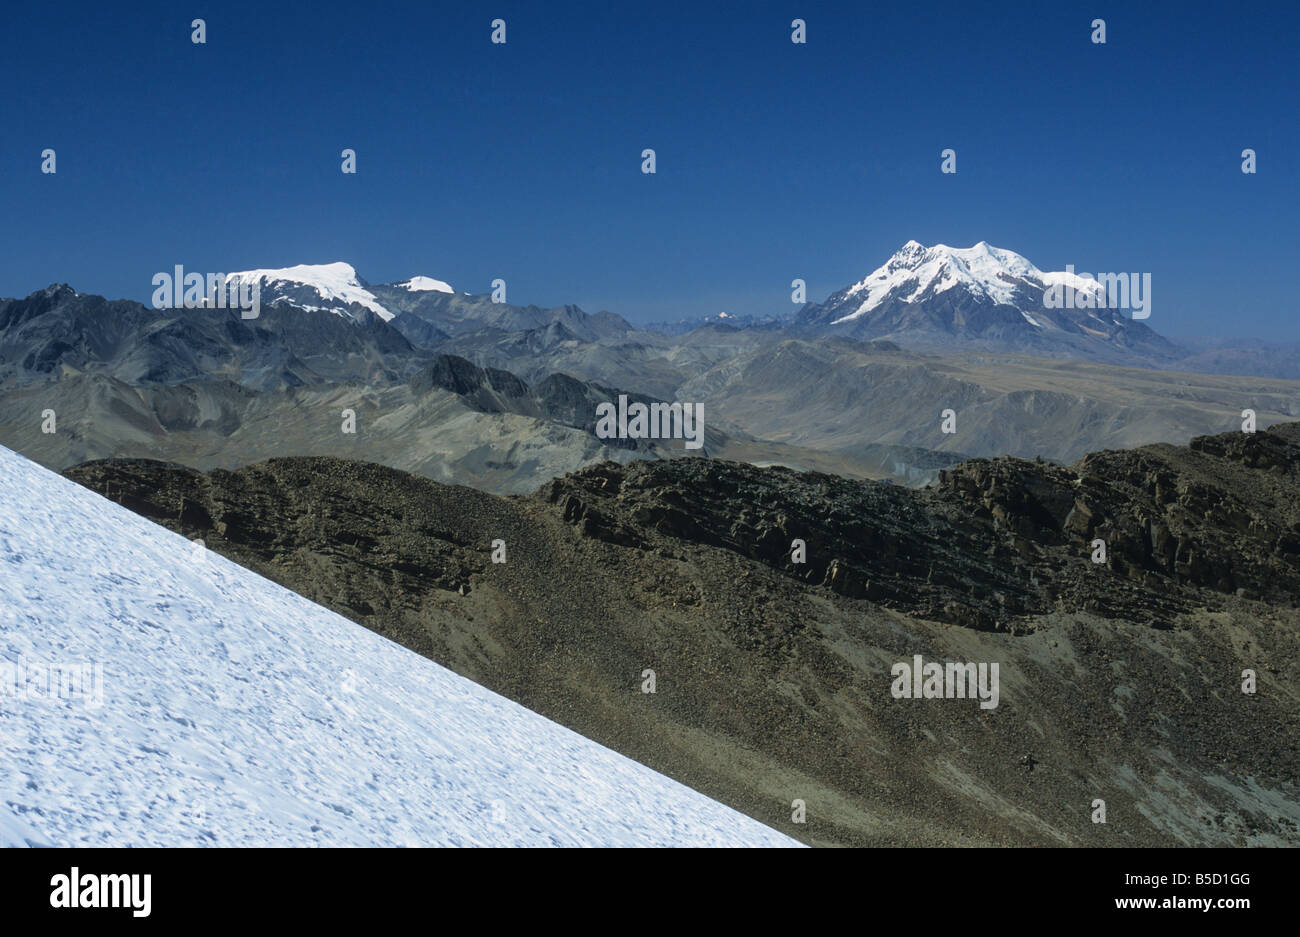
x=775, y=160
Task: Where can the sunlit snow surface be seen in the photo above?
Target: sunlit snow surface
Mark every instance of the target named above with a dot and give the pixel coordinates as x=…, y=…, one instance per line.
x=425, y=284
x=987, y=271
x=336, y=281
x=236, y=713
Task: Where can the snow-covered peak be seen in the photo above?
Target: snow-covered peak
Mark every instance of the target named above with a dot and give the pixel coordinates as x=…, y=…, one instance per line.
x=155, y=694
x=915, y=271
x=335, y=283
x=425, y=284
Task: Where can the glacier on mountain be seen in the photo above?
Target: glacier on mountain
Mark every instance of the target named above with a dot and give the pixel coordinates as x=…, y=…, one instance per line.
x=336, y=282
x=988, y=272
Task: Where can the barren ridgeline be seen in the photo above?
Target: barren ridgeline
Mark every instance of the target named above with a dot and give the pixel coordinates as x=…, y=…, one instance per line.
x=1136, y=605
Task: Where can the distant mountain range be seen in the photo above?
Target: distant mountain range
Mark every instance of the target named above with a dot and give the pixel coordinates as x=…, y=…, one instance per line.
x=936, y=299
x=465, y=389
x=208, y=388
x=722, y=320
x=422, y=308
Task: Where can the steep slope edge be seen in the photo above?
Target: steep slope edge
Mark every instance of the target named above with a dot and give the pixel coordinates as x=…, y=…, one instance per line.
x=225, y=710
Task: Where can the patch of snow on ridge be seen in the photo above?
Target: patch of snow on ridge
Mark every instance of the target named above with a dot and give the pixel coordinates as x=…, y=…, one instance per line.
x=425, y=284
x=336, y=281
x=232, y=712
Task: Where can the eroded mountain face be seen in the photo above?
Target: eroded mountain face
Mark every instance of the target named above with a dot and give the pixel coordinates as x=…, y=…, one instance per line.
x=1120, y=680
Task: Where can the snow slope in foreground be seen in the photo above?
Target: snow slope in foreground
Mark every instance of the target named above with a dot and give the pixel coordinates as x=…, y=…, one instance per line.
x=235, y=712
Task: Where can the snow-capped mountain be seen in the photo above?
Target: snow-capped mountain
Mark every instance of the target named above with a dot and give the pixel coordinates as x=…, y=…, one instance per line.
x=983, y=297
x=334, y=287
x=917, y=273
x=153, y=693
